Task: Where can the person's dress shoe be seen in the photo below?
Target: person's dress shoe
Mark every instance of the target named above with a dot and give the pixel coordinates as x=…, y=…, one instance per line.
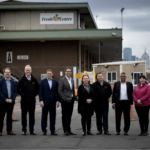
x=125, y=133
x=141, y=134
x=107, y=133
x=118, y=133
x=89, y=133
x=84, y=133
x=23, y=133
x=145, y=134
x=32, y=133
x=100, y=132
x=71, y=133
x=44, y=133
x=54, y=133
x=0, y=133
x=66, y=133
x=11, y=133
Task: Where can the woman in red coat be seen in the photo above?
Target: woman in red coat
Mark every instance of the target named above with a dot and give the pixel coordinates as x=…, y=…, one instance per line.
x=141, y=96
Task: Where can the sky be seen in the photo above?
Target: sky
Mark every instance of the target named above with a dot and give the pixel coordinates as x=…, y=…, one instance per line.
x=136, y=20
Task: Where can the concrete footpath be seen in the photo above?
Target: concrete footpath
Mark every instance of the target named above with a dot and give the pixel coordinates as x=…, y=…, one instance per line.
x=132, y=141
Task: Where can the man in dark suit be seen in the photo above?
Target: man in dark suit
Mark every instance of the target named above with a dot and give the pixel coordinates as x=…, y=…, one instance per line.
x=49, y=100
x=8, y=93
x=122, y=100
x=103, y=92
x=67, y=95
x=28, y=88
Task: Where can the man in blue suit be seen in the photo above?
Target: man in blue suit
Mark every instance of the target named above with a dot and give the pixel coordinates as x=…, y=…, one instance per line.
x=8, y=93
x=49, y=100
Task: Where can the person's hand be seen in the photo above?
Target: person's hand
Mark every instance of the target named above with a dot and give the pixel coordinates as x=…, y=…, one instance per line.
x=113, y=106
x=42, y=104
x=88, y=101
x=10, y=101
x=7, y=100
x=57, y=104
x=139, y=101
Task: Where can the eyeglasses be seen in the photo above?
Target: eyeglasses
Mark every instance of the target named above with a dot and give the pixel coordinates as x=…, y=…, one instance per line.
x=7, y=72
x=68, y=71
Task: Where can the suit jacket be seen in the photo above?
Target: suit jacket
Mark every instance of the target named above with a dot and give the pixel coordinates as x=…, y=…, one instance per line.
x=4, y=91
x=46, y=94
x=64, y=90
x=116, y=92
x=83, y=95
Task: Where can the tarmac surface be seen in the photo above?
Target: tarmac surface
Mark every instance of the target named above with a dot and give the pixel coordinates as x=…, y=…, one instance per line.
x=132, y=141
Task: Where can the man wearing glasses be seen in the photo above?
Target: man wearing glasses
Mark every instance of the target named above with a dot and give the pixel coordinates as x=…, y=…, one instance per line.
x=122, y=99
x=8, y=93
x=67, y=95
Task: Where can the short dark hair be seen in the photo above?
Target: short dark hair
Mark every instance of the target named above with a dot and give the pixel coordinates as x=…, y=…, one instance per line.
x=49, y=70
x=123, y=73
x=68, y=68
x=98, y=74
x=142, y=76
x=7, y=68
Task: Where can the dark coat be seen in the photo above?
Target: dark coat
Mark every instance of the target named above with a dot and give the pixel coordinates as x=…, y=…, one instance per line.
x=4, y=92
x=102, y=94
x=83, y=95
x=28, y=90
x=46, y=94
x=116, y=92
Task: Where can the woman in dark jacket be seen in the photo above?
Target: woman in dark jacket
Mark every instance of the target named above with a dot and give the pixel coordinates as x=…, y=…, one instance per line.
x=85, y=103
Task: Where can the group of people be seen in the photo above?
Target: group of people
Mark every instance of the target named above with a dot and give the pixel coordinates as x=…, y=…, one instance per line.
x=91, y=98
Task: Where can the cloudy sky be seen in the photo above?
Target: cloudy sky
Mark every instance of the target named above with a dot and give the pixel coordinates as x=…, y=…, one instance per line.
x=136, y=20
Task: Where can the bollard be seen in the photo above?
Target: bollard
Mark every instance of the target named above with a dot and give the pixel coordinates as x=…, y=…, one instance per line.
x=132, y=113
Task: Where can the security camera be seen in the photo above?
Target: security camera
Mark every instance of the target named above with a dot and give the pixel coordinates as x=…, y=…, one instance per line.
x=113, y=33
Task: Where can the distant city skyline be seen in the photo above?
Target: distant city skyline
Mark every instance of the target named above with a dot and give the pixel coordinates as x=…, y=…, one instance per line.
x=127, y=56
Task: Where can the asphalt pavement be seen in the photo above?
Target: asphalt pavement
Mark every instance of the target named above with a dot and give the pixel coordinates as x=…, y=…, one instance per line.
x=132, y=141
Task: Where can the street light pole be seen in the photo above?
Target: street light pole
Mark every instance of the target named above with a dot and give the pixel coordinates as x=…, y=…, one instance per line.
x=122, y=9
x=100, y=43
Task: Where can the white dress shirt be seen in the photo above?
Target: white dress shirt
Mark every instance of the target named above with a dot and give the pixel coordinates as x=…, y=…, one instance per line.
x=28, y=78
x=123, y=91
x=70, y=83
x=50, y=83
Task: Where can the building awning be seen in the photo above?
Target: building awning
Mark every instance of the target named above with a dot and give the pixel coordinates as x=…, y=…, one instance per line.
x=111, y=39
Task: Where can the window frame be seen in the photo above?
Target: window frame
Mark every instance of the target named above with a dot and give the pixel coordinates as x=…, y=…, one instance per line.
x=133, y=78
x=111, y=76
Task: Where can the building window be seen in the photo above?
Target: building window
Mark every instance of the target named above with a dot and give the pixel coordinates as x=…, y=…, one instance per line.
x=135, y=77
x=111, y=77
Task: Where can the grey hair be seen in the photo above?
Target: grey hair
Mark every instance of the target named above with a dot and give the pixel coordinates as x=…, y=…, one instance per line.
x=49, y=70
x=123, y=73
x=28, y=66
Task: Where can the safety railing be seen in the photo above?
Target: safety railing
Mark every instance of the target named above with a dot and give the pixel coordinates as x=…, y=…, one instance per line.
x=16, y=73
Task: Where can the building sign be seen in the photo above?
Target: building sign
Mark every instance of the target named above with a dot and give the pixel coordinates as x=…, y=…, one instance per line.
x=61, y=73
x=43, y=76
x=56, y=18
x=9, y=57
x=22, y=57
